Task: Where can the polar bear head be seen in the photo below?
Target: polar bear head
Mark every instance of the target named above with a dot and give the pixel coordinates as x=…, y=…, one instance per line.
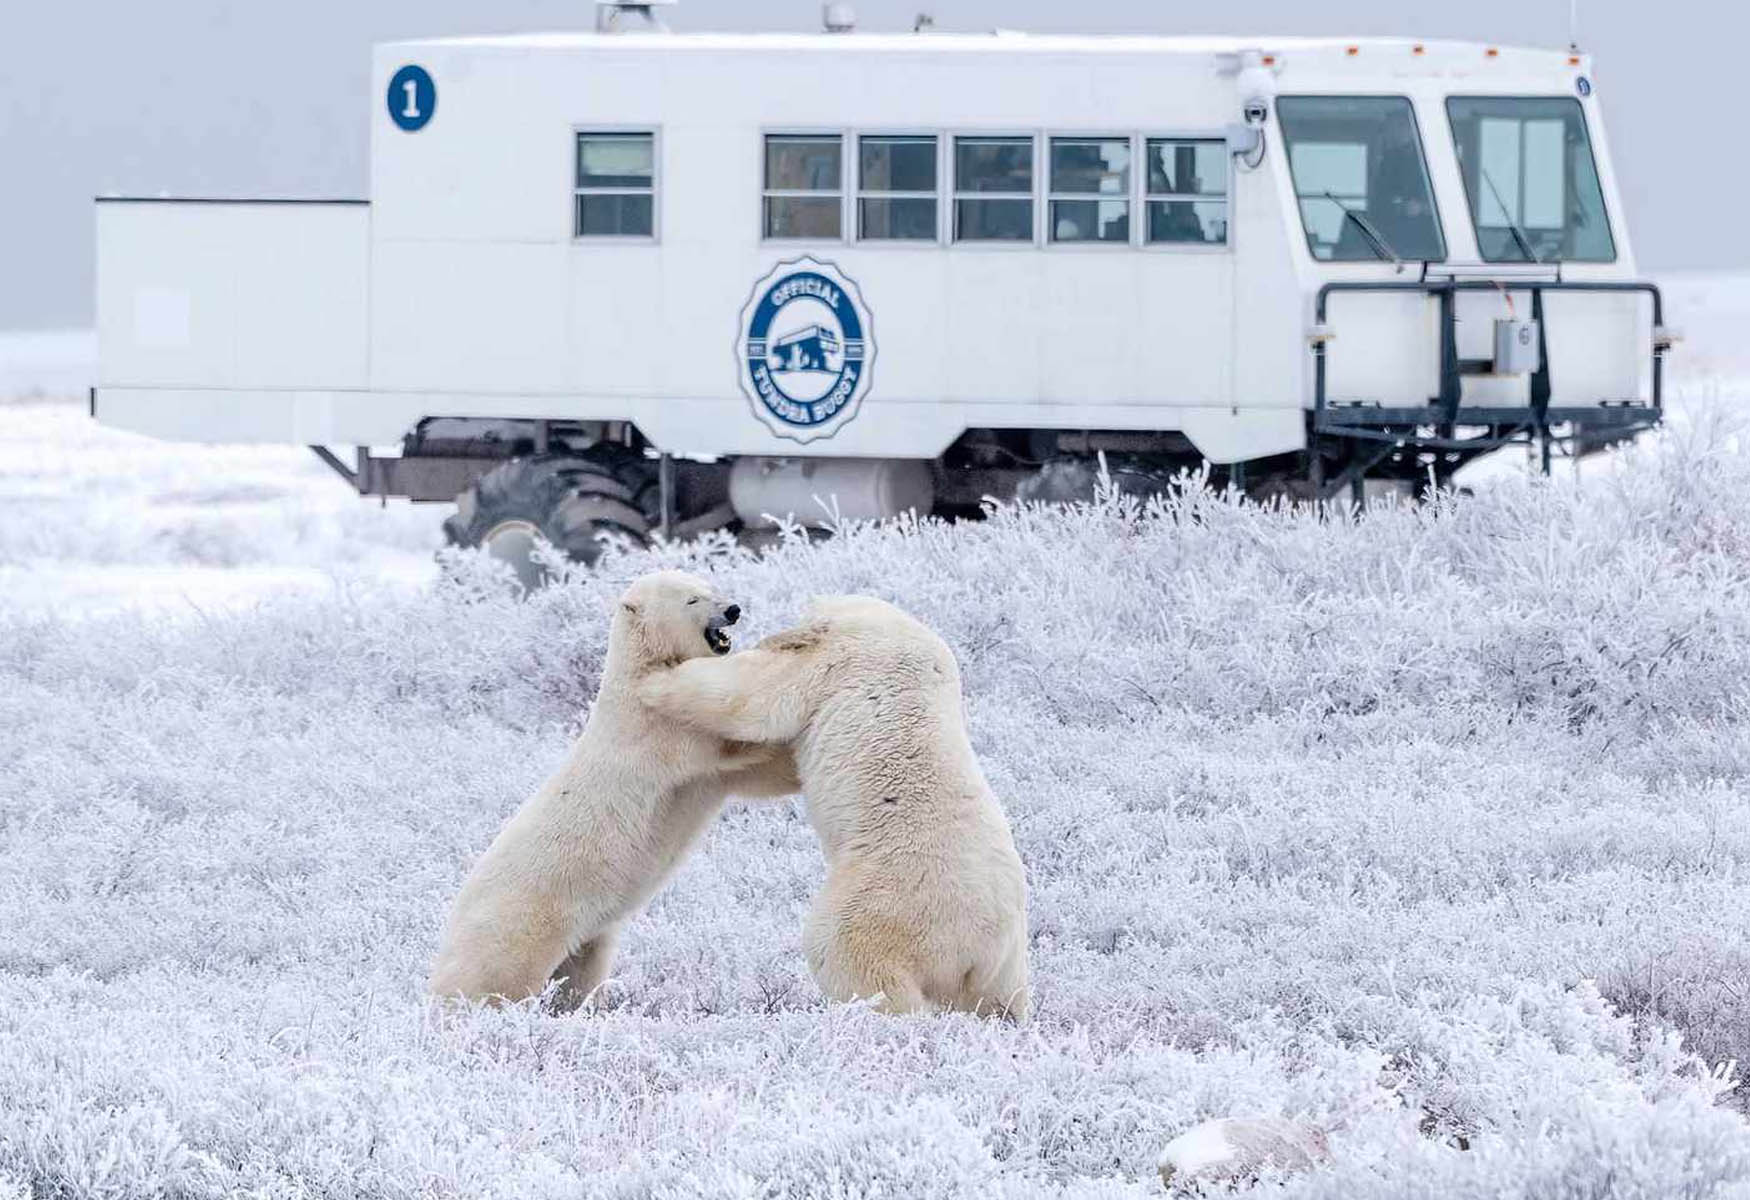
x=670, y=616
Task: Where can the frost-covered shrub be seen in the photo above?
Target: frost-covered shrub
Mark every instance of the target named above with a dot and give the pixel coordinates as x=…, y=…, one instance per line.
x=1426, y=826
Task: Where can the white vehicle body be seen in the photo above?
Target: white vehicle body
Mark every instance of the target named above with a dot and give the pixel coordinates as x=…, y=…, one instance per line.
x=462, y=289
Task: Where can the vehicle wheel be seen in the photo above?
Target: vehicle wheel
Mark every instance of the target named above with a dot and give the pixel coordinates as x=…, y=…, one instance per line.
x=565, y=498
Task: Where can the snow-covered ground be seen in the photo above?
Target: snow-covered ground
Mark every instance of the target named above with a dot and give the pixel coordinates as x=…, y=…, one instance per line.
x=94, y=520
x=1431, y=828
x=52, y=364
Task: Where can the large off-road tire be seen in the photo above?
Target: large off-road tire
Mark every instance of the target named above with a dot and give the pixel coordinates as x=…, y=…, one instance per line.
x=567, y=499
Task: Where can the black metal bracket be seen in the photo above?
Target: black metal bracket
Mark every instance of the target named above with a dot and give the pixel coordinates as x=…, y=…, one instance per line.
x=1353, y=475
x=341, y=469
x=1451, y=387
x=429, y=477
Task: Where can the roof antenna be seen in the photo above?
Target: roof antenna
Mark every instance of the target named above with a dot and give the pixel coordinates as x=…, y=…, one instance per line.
x=1573, y=26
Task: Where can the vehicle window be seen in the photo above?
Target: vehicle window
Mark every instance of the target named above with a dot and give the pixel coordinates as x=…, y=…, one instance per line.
x=804, y=187
x=1530, y=179
x=1360, y=178
x=1187, y=191
x=896, y=188
x=993, y=189
x=615, y=194
x=1090, y=189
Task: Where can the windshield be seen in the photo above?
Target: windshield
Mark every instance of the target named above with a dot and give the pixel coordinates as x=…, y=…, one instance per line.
x=1360, y=178
x=1529, y=176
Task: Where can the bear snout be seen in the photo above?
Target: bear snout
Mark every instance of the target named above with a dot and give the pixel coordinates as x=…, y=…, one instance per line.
x=732, y=614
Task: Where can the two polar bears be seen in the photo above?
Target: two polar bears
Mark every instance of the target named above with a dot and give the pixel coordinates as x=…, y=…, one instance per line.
x=924, y=904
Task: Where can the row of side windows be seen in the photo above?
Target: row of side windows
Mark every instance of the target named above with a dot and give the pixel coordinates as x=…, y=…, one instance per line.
x=1091, y=190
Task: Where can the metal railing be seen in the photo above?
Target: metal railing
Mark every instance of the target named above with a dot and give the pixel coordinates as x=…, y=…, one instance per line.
x=1444, y=409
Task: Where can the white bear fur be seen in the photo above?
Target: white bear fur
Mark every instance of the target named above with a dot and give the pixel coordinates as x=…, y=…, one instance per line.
x=586, y=852
x=925, y=904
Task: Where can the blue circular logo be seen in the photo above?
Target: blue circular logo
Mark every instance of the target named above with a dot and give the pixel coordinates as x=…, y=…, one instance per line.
x=805, y=349
x=1583, y=85
x=412, y=98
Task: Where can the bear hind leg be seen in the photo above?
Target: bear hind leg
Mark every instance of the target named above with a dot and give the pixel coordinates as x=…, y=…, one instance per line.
x=1007, y=998
x=891, y=992
x=1000, y=991
x=847, y=968
x=585, y=969
x=903, y=995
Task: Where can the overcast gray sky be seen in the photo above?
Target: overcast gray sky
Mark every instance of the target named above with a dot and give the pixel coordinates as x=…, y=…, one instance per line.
x=223, y=97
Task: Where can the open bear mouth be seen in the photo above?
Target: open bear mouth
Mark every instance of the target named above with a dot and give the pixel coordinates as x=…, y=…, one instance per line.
x=717, y=638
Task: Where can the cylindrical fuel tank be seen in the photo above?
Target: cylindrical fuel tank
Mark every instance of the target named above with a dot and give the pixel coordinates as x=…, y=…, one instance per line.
x=813, y=490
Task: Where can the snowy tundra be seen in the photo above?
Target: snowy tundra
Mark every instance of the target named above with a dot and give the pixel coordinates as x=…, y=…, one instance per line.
x=1429, y=827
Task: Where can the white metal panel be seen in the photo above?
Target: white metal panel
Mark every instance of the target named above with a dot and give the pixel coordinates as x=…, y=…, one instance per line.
x=886, y=428
x=302, y=275
x=165, y=310
x=240, y=414
x=1386, y=349
x=461, y=316
x=1598, y=346
x=1085, y=355
x=618, y=307
x=232, y=295
x=991, y=339
x=1173, y=341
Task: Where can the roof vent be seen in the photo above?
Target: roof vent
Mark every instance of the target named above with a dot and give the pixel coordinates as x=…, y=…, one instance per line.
x=838, y=18
x=636, y=16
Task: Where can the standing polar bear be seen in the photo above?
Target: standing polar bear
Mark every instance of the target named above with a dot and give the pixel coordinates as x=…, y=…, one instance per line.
x=925, y=904
x=596, y=842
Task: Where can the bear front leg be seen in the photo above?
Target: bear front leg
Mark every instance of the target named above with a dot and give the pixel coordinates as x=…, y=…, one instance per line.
x=585, y=970
x=499, y=954
x=754, y=696
x=757, y=772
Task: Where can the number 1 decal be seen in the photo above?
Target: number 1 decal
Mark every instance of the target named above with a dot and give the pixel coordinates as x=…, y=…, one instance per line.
x=412, y=98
